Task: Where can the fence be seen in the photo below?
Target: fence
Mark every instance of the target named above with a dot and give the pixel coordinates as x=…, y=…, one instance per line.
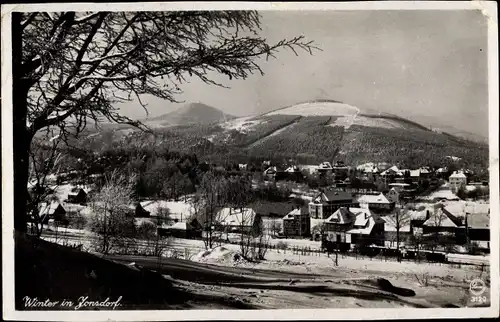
x=164, y=247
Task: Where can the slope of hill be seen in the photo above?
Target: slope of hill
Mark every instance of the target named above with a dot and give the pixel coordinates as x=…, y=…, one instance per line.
x=192, y=113
x=309, y=132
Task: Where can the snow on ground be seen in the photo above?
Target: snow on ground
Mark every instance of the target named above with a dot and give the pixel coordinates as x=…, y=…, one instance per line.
x=218, y=254
x=348, y=121
x=444, y=192
x=318, y=109
x=277, y=257
x=241, y=124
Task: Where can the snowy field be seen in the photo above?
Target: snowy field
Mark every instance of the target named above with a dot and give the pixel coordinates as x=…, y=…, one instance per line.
x=241, y=124
x=318, y=109
x=348, y=121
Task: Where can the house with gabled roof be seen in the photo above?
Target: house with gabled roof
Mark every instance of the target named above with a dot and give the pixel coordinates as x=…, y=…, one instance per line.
x=442, y=221
x=354, y=226
x=391, y=223
x=327, y=202
x=78, y=195
x=457, y=180
x=297, y=223
x=393, y=195
x=188, y=230
x=239, y=220
x=376, y=202
x=51, y=211
x=275, y=173
x=392, y=171
x=139, y=211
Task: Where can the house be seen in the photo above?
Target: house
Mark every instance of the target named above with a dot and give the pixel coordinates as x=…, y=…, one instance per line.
x=327, y=202
x=240, y=220
x=462, y=208
x=354, y=226
x=377, y=203
x=176, y=211
x=325, y=167
x=425, y=172
x=292, y=169
x=340, y=170
x=443, y=227
x=274, y=173
x=415, y=174
x=418, y=217
x=293, y=173
x=242, y=166
x=297, y=223
x=391, y=172
x=457, y=180
x=77, y=195
x=52, y=211
x=400, y=187
x=270, y=209
x=393, y=196
x=478, y=229
x=139, y=211
x=180, y=230
x=391, y=231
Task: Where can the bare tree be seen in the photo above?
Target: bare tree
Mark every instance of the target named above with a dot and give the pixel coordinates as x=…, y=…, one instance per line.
x=276, y=227
x=399, y=220
x=211, y=196
x=73, y=67
x=112, y=220
x=45, y=161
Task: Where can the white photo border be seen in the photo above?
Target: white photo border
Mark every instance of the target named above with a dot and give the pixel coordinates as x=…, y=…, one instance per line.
x=488, y=8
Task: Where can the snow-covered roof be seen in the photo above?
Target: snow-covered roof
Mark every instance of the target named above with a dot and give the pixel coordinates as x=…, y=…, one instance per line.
x=460, y=208
x=478, y=221
x=458, y=175
x=175, y=208
x=296, y=212
x=364, y=222
x=392, y=170
x=396, y=184
x=48, y=208
x=418, y=214
x=292, y=168
x=363, y=166
x=441, y=218
x=391, y=224
x=236, y=216
x=341, y=216
x=443, y=192
x=370, y=199
x=415, y=173
x=325, y=165
x=392, y=190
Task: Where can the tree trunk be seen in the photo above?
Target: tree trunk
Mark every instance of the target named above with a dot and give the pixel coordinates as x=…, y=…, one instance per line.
x=21, y=136
x=397, y=243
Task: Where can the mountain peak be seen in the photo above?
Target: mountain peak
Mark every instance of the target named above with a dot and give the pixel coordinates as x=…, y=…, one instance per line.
x=192, y=113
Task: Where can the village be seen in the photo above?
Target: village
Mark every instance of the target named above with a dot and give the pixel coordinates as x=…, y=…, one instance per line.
x=369, y=209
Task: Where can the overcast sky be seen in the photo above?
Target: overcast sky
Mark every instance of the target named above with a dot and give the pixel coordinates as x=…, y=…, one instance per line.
x=429, y=66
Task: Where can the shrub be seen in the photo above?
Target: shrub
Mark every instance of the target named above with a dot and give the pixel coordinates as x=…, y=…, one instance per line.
x=282, y=245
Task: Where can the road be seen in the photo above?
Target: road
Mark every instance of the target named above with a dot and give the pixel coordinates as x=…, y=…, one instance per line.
x=207, y=273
